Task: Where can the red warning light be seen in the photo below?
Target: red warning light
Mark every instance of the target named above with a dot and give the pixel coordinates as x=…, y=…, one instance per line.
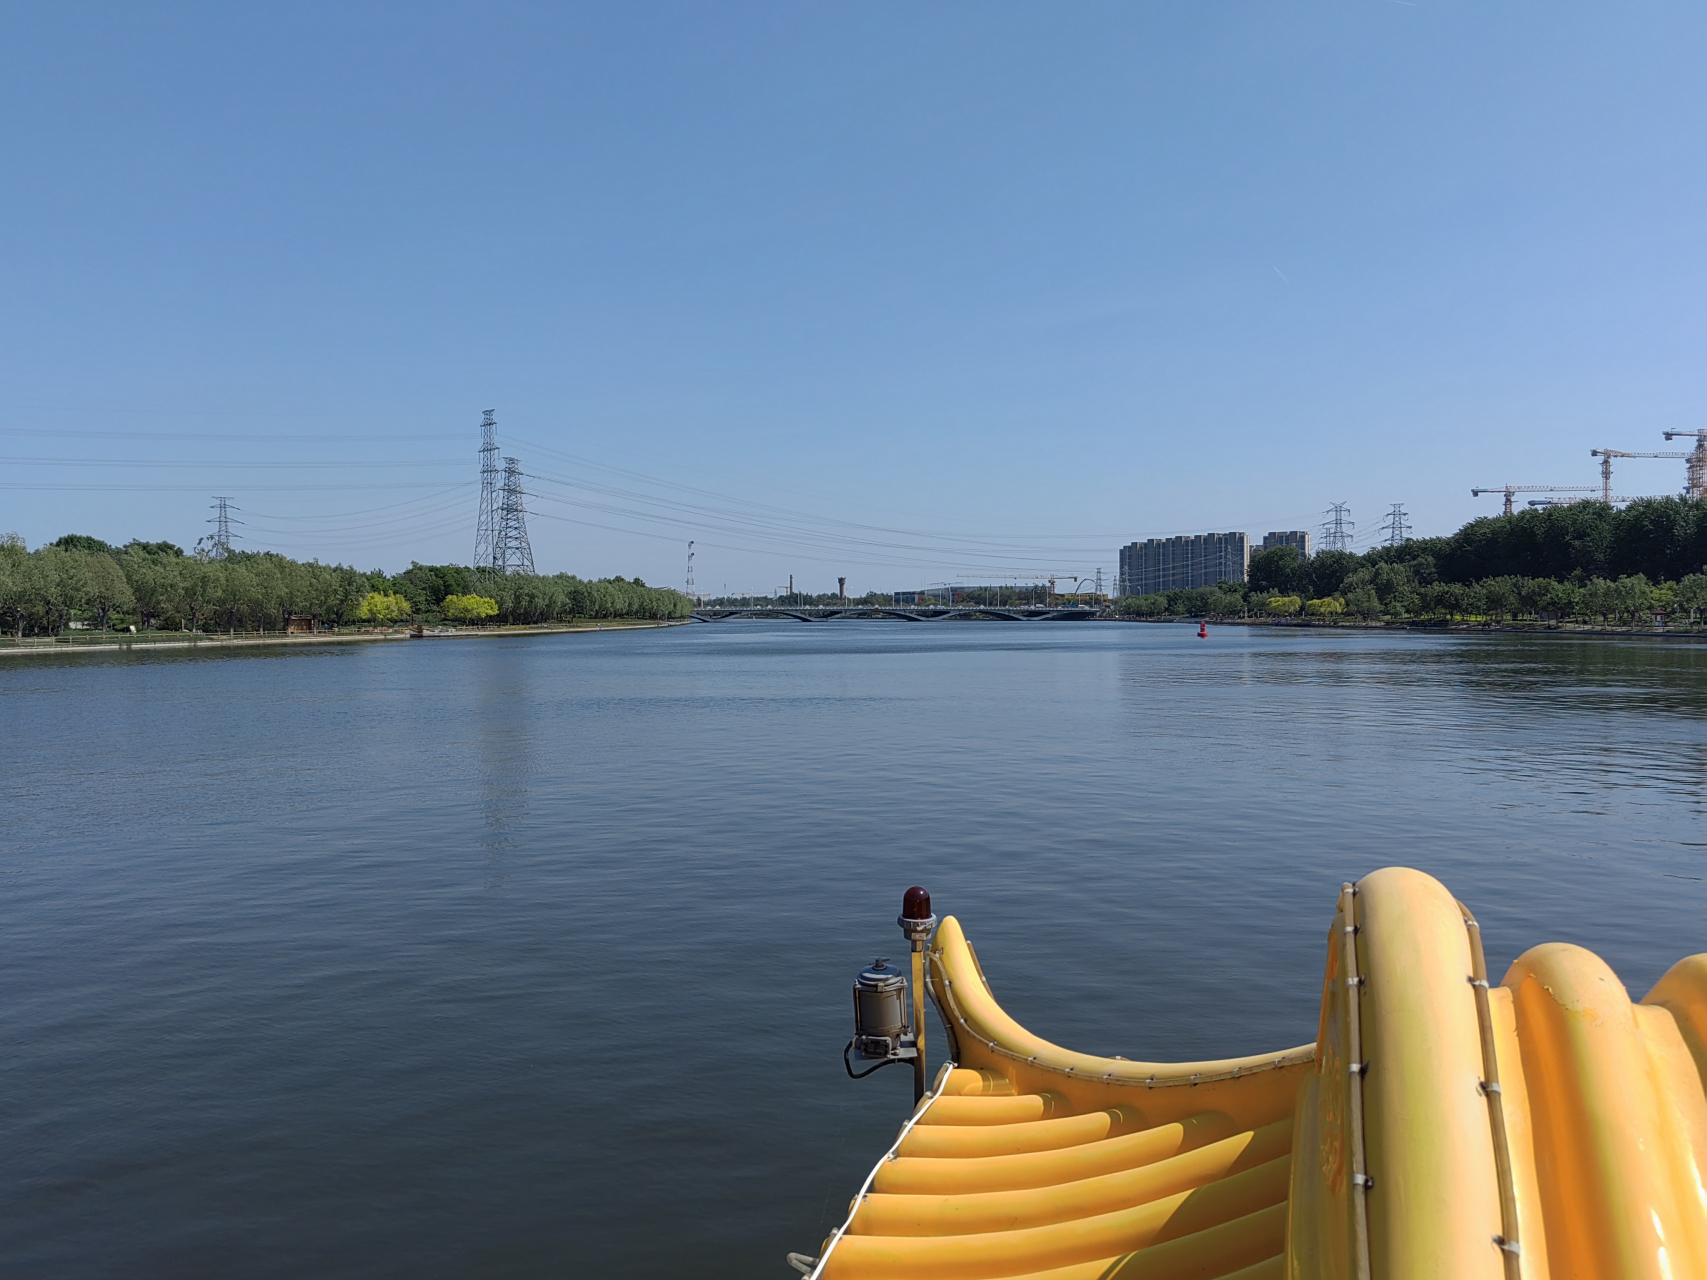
x=916, y=904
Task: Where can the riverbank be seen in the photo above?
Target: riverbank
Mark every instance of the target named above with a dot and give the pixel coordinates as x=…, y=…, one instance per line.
x=149, y=642
x=1682, y=631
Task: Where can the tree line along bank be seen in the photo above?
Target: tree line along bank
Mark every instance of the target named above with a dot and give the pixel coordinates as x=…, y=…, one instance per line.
x=1587, y=561
x=156, y=586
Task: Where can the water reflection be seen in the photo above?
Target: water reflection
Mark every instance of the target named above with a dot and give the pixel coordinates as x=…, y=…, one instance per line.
x=504, y=753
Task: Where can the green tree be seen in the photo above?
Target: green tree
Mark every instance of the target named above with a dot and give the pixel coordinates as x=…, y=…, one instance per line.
x=1362, y=602
x=384, y=608
x=1225, y=601
x=1278, y=571
x=1692, y=594
x=1501, y=596
x=61, y=583
x=1563, y=599
x=1328, y=570
x=234, y=588
x=1149, y=606
x=199, y=586
x=1325, y=607
x=1443, y=599
x=470, y=608
x=16, y=587
x=1285, y=605
x=106, y=588
x=84, y=543
x=154, y=577
x=1632, y=595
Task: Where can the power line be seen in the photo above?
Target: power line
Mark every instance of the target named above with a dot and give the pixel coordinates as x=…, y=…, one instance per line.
x=766, y=511
x=225, y=436
x=196, y=488
x=387, y=463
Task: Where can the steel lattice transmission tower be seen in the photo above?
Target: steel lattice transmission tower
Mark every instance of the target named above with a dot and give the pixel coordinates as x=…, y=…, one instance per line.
x=220, y=545
x=486, y=553
x=1397, y=530
x=1337, y=528
x=690, y=570
x=513, y=554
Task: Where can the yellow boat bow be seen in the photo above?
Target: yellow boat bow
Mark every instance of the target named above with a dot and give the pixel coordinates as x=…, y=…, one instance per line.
x=1438, y=1127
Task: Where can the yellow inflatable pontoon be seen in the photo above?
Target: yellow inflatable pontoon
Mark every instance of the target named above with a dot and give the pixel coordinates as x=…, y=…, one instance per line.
x=1438, y=1127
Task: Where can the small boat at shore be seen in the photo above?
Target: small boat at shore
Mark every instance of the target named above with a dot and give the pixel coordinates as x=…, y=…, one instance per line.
x=1438, y=1126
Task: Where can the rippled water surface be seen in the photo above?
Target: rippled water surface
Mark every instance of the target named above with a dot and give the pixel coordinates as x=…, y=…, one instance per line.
x=530, y=957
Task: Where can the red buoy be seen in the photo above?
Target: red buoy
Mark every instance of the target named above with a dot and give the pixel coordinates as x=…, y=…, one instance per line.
x=1203, y=630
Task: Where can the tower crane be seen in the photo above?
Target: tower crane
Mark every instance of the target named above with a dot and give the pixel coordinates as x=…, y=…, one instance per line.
x=1696, y=487
x=1607, y=455
x=1509, y=489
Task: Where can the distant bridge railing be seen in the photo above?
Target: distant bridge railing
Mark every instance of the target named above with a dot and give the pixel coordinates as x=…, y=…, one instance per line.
x=905, y=613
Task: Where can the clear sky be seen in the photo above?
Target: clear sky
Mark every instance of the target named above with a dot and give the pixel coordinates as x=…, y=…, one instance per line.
x=897, y=291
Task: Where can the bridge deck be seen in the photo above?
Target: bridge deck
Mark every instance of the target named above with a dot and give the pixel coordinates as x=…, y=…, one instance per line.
x=904, y=613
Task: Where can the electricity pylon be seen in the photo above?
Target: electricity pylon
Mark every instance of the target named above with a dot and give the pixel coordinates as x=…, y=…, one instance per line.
x=1397, y=531
x=486, y=524
x=513, y=554
x=219, y=545
x=1337, y=528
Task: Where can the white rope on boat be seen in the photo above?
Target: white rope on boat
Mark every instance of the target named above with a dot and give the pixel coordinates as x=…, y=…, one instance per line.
x=918, y=1115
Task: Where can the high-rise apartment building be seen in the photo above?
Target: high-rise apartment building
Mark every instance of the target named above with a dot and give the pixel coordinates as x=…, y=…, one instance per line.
x=1168, y=564
x=1297, y=539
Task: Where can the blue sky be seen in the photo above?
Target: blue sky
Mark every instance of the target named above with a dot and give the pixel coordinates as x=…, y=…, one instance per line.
x=899, y=292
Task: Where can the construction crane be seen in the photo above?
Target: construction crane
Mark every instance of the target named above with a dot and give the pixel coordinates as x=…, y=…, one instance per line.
x=1607, y=455
x=1696, y=486
x=1509, y=489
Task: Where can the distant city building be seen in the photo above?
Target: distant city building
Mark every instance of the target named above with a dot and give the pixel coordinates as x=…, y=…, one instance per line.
x=1168, y=564
x=1297, y=539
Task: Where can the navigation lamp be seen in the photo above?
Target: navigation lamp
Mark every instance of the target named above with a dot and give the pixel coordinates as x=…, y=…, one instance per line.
x=916, y=920
x=880, y=1010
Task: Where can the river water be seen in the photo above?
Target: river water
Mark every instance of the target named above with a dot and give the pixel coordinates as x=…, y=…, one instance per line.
x=531, y=957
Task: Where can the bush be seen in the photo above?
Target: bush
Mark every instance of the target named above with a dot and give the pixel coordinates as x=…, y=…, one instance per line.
x=470, y=608
x=383, y=607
